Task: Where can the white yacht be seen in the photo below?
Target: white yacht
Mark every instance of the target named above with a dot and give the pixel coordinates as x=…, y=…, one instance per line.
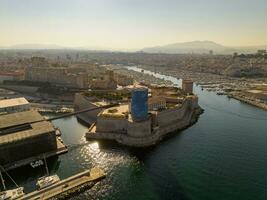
x=12, y=194
x=46, y=181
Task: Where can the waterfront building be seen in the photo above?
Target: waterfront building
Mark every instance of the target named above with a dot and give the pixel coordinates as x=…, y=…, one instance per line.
x=25, y=137
x=14, y=105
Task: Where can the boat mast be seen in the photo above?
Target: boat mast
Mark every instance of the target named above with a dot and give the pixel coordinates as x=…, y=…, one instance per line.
x=2, y=179
x=46, y=168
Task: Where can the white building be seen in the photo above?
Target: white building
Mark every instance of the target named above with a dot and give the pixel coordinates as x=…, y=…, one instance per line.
x=14, y=105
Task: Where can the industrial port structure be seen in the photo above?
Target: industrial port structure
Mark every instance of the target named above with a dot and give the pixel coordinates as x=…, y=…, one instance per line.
x=26, y=137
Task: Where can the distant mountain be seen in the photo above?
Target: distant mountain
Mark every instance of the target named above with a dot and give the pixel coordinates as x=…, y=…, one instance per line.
x=35, y=46
x=201, y=47
x=198, y=47
x=186, y=47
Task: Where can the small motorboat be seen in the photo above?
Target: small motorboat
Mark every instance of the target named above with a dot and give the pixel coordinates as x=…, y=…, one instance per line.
x=46, y=181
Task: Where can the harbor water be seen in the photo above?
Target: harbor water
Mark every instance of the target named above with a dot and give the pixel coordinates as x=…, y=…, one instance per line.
x=223, y=156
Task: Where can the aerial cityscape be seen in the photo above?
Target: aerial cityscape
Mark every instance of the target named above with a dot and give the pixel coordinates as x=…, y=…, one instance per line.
x=133, y=100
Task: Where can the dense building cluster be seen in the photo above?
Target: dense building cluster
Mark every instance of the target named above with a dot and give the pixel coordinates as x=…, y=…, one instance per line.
x=58, y=76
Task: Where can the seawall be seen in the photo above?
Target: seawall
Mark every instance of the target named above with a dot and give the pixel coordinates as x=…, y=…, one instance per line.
x=82, y=102
x=188, y=118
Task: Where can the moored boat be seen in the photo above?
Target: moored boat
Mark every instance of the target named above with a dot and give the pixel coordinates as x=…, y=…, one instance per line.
x=12, y=194
x=46, y=181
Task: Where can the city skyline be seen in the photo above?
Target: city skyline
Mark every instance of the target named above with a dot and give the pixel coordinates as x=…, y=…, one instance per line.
x=132, y=24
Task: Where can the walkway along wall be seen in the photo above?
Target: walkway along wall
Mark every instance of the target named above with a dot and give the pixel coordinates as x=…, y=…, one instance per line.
x=82, y=102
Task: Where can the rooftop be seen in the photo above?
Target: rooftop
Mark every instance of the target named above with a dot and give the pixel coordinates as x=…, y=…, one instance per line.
x=36, y=129
x=117, y=111
x=19, y=118
x=13, y=102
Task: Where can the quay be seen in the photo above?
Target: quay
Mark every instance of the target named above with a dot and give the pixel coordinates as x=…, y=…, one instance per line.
x=251, y=102
x=69, y=186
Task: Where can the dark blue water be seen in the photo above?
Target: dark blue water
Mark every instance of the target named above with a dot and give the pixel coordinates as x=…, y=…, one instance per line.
x=222, y=157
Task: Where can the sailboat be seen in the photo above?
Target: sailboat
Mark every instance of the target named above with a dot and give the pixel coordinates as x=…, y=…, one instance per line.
x=10, y=194
x=47, y=180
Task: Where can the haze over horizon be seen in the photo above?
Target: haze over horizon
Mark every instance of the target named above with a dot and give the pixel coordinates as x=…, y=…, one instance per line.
x=132, y=24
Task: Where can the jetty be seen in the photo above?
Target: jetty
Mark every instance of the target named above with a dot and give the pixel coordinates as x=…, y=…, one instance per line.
x=68, y=186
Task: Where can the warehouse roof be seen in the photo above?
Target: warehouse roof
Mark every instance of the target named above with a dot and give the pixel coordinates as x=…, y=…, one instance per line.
x=13, y=102
x=36, y=129
x=19, y=118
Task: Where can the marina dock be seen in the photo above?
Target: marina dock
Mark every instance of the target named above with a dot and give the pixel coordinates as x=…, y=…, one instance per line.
x=67, y=186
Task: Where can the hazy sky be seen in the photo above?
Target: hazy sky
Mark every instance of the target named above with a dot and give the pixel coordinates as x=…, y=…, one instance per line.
x=131, y=24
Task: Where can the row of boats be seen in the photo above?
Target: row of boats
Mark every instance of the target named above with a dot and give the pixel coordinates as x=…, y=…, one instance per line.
x=42, y=183
x=18, y=192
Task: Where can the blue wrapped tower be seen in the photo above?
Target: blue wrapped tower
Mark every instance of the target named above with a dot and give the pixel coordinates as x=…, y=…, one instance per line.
x=139, y=107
